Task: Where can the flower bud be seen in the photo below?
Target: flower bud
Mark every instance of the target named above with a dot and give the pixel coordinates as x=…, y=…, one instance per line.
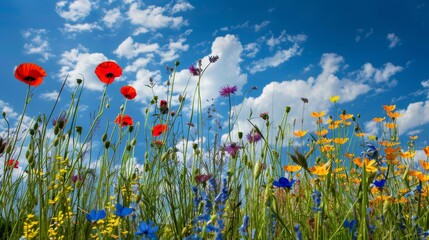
x=79, y=129
x=104, y=137
x=176, y=63
x=130, y=128
x=79, y=81
x=133, y=142
x=240, y=135
x=4, y=114
x=106, y=144
x=287, y=109
x=31, y=131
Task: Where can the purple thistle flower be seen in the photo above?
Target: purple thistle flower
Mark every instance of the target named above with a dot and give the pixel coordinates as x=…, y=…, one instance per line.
x=253, y=136
x=232, y=149
x=227, y=90
x=194, y=71
x=213, y=59
x=61, y=121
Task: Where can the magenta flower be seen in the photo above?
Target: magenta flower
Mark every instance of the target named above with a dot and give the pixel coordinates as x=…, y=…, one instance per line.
x=227, y=90
x=213, y=59
x=232, y=149
x=194, y=71
x=253, y=136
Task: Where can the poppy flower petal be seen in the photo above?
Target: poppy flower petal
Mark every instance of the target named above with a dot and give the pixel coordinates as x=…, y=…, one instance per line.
x=108, y=71
x=30, y=74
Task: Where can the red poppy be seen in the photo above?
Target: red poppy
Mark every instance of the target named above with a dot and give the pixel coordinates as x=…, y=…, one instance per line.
x=12, y=163
x=128, y=92
x=107, y=71
x=30, y=74
x=124, y=120
x=158, y=129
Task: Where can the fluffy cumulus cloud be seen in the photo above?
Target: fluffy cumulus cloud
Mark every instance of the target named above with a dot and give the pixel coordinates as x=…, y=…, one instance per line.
x=78, y=63
x=425, y=84
x=112, y=17
x=73, y=10
x=278, y=58
x=415, y=115
x=383, y=74
x=181, y=6
x=37, y=43
x=50, y=96
x=152, y=18
x=393, y=39
x=80, y=27
x=172, y=49
x=130, y=49
x=277, y=95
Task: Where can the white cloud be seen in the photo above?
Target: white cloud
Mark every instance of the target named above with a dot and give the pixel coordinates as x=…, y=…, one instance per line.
x=139, y=63
x=277, y=95
x=173, y=48
x=12, y=117
x=362, y=33
x=181, y=6
x=261, y=25
x=152, y=18
x=384, y=74
x=80, y=27
x=416, y=114
x=279, y=57
x=79, y=63
x=38, y=43
x=73, y=11
x=425, y=84
x=50, y=96
x=112, y=17
x=393, y=39
x=250, y=50
x=130, y=49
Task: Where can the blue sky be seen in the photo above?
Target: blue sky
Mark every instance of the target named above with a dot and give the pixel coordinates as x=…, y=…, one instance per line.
x=370, y=53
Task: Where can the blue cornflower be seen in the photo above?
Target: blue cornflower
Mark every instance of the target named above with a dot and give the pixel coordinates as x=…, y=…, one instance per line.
x=122, y=211
x=243, y=228
x=380, y=184
x=284, y=183
x=93, y=216
x=147, y=230
x=297, y=232
x=351, y=225
x=371, y=152
x=317, y=200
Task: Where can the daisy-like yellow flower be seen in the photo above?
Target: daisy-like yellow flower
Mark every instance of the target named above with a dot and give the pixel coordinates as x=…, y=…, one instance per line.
x=378, y=119
x=323, y=141
x=370, y=166
x=327, y=148
x=321, y=170
x=423, y=177
x=318, y=114
x=414, y=137
x=389, y=108
x=349, y=155
x=426, y=150
x=361, y=134
x=334, y=99
x=424, y=164
x=414, y=173
x=299, y=133
x=407, y=154
x=292, y=168
x=322, y=132
x=390, y=125
x=340, y=140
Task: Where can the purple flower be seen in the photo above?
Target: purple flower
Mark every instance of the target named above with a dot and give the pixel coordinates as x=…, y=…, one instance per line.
x=60, y=121
x=253, y=136
x=202, y=178
x=227, y=90
x=213, y=59
x=194, y=71
x=232, y=149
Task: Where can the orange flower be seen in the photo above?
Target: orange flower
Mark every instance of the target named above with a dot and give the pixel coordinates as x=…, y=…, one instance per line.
x=124, y=120
x=299, y=133
x=423, y=177
x=425, y=165
x=407, y=154
x=158, y=129
x=414, y=173
x=394, y=114
x=426, y=150
x=30, y=74
x=379, y=119
x=292, y=168
x=349, y=155
x=415, y=137
x=389, y=108
x=318, y=114
x=390, y=125
x=322, y=132
x=369, y=165
x=340, y=140
x=344, y=117
x=129, y=92
x=361, y=134
x=108, y=71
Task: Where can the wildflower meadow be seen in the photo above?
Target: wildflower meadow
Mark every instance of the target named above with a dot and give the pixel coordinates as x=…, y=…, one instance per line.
x=176, y=172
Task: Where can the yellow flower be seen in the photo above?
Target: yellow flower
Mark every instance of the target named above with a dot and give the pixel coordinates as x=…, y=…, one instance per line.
x=299, y=133
x=292, y=168
x=390, y=125
x=378, y=119
x=334, y=99
x=423, y=177
x=321, y=170
x=318, y=114
x=322, y=132
x=389, y=108
x=369, y=165
x=407, y=154
x=340, y=140
x=349, y=155
x=344, y=117
x=394, y=114
x=361, y=134
x=414, y=137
